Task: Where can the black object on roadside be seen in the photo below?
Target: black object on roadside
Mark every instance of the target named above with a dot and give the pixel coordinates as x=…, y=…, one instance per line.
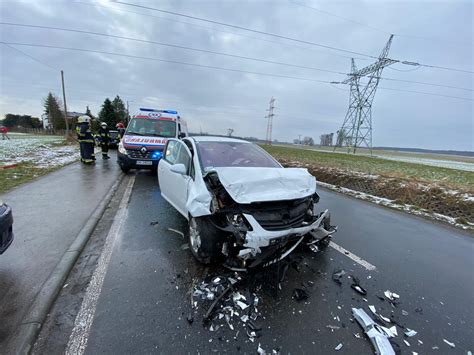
x=299, y=294
x=337, y=275
x=357, y=287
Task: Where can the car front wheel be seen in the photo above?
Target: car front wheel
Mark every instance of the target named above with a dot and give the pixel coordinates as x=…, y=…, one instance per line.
x=205, y=241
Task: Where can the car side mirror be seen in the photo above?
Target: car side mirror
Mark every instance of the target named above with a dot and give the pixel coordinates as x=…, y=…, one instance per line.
x=179, y=169
x=182, y=135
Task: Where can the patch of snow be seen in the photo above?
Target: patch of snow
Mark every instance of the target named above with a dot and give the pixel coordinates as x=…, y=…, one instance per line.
x=42, y=151
x=450, y=164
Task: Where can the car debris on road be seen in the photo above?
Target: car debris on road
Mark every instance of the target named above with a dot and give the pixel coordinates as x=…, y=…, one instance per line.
x=377, y=336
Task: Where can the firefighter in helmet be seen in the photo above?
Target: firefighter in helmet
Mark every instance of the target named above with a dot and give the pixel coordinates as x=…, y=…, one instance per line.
x=86, y=139
x=104, y=138
x=120, y=128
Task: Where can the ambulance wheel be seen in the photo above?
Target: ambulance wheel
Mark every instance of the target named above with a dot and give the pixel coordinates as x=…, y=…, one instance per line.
x=125, y=170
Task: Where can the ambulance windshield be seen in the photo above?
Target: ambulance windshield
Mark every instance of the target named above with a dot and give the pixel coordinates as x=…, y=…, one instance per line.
x=152, y=127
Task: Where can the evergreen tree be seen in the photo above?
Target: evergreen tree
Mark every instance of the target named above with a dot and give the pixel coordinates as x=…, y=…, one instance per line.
x=119, y=110
x=52, y=107
x=107, y=114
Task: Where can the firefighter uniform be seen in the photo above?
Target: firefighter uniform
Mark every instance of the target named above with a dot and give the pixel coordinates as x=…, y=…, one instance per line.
x=80, y=120
x=86, y=141
x=104, y=138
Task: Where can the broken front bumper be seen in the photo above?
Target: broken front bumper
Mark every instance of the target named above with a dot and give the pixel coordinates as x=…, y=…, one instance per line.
x=259, y=238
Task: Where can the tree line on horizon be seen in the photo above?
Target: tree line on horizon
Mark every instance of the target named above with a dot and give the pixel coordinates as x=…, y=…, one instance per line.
x=111, y=112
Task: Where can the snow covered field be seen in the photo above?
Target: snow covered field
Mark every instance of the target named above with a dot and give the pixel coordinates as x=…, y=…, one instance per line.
x=451, y=164
x=42, y=151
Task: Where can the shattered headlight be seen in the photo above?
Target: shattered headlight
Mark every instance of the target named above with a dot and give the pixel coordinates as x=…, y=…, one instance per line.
x=238, y=221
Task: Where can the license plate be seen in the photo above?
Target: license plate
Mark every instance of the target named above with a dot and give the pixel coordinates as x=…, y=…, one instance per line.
x=144, y=162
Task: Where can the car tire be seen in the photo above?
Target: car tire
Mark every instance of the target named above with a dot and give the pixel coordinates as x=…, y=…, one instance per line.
x=125, y=170
x=205, y=241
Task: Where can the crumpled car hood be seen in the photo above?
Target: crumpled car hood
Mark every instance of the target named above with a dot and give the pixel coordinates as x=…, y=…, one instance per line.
x=248, y=184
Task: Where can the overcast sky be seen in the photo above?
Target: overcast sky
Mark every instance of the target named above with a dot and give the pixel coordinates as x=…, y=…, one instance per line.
x=428, y=32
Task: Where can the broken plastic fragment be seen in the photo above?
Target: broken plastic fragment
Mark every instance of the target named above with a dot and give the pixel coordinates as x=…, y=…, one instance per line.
x=410, y=333
x=242, y=305
x=357, y=335
x=357, y=287
x=260, y=350
x=406, y=342
x=339, y=347
x=392, y=296
x=449, y=343
x=385, y=319
x=299, y=294
x=190, y=318
x=405, y=313
x=336, y=276
x=210, y=296
x=372, y=309
x=216, y=280
x=244, y=318
x=378, y=338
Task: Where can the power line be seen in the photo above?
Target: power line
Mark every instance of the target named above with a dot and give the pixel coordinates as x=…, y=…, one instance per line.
x=219, y=30
x=168, y=61
x=440, y=67
x=29, y=56
x=204, y=66
x=375, y=28
x=427, y=93
x=245, y=29
x=340, y=17
x=171, y=45
x=209, y=52
x=287, y=38
x=429, y=84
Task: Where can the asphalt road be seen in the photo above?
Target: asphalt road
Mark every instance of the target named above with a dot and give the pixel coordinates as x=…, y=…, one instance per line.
x=48, y=214
x=145, y=296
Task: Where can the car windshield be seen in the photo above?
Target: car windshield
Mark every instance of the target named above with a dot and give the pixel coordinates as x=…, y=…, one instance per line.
x=152, y=127
x=233, y=154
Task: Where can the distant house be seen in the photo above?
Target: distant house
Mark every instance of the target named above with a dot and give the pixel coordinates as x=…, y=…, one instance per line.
x=71, y=117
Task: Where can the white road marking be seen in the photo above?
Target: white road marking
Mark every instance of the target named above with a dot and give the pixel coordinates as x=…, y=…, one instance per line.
x=358, y=260
x=84, y=319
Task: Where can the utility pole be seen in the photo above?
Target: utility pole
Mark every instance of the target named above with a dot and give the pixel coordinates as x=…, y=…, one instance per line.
x=356, y=129
x=270, y=121
x=299, y=138
x=65, y=106
x=128, y=114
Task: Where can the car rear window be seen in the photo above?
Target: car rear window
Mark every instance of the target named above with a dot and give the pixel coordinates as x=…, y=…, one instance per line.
x=229, y=154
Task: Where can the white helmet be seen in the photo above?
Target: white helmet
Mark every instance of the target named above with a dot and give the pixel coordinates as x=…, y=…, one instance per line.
x=83, y=119
x=103, y=124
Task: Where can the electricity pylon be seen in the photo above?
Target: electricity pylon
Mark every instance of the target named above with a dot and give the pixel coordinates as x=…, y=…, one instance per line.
x=356, y=131
x=270, y=121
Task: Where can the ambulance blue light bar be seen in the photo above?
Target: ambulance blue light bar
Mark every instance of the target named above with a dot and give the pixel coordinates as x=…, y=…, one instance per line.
x=173, y=112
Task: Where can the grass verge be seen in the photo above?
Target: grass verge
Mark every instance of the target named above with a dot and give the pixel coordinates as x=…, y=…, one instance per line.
x=20, y=174
x=449, y=178
x=435, y=190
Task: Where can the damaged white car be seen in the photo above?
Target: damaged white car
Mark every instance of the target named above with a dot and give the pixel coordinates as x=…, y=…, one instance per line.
x=243, y=207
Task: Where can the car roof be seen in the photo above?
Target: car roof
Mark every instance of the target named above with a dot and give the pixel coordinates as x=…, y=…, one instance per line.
x=217, y=139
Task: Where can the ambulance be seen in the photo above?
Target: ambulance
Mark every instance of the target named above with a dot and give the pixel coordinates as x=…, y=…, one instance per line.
x=146, y=135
